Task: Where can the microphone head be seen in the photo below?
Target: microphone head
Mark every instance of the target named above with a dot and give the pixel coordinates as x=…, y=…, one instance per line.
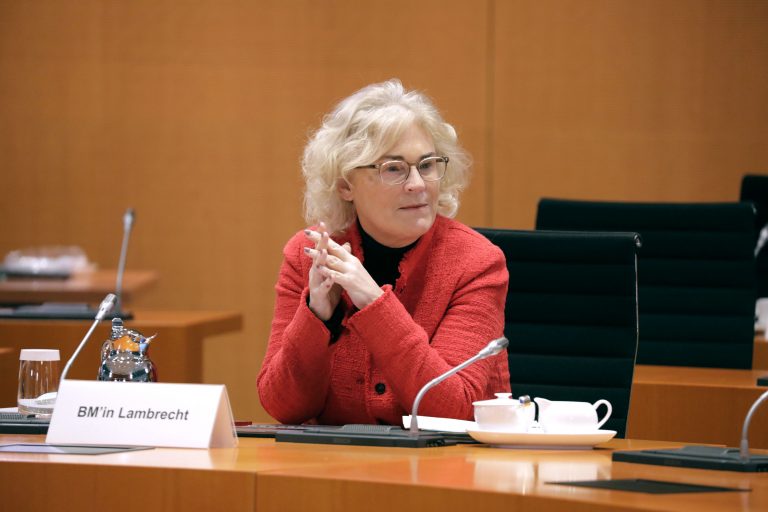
x=106, y=306
x=128, y=218
x=498, y=345
x=494, y=347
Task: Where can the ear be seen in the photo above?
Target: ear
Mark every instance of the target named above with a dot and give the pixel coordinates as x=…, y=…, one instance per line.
x=345, y=190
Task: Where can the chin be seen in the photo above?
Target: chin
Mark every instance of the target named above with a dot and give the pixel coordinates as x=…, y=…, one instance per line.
x=420, y=227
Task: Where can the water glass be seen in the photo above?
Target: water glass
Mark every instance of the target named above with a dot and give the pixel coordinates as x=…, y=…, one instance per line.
x=38, y=381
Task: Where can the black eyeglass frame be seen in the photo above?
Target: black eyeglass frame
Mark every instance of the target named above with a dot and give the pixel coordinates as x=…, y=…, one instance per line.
x=443, y=159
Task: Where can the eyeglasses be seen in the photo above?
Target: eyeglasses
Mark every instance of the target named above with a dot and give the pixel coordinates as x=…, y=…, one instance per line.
x=395, y=172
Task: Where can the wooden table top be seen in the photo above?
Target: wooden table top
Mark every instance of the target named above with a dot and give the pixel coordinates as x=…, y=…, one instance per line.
x=263, y=475
x=89, y=287
x=704, y=377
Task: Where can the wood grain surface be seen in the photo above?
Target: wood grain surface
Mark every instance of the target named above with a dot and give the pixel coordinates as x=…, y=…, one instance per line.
x=197, y=117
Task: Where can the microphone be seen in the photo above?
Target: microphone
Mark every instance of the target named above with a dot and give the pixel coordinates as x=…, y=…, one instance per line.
x=104, y=308
x=761, y=240
x=128, y=219
x=744, y=446
x=493, y=348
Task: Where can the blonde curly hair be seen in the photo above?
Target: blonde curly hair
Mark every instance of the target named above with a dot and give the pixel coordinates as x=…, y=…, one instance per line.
x=357, y=132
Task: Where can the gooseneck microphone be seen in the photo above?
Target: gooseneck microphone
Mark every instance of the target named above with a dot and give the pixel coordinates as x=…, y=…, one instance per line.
x=493, y=348
x=761, y=240
x=128, y=219
x=744, y=446
x=104, y=308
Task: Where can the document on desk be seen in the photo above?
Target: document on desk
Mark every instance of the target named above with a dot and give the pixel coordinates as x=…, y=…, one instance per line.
x=441, y=424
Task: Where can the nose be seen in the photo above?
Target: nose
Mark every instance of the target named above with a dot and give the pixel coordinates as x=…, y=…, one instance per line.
x=414, y=180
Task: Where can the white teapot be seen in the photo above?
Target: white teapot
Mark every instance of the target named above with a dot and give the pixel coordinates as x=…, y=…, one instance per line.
x=571, y=417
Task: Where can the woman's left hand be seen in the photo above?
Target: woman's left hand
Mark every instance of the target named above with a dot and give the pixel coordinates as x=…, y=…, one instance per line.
x=344, y=269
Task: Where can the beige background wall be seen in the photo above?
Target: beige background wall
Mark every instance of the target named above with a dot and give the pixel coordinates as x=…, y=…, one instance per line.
x=195, y=113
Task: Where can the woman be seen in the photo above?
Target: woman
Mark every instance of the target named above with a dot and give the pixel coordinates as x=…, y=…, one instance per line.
x=386, y=292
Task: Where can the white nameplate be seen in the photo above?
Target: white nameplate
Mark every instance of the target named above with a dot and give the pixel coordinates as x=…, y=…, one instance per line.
x=142, y=414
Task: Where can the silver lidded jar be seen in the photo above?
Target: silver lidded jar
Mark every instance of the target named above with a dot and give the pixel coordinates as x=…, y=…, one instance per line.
x=124, y=356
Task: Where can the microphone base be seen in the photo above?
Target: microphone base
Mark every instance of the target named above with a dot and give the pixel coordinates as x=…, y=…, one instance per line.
x=370, y=435
x=59, y=311
x=700, y=457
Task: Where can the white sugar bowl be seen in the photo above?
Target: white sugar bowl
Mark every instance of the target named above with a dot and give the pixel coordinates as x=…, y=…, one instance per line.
x=504, y=413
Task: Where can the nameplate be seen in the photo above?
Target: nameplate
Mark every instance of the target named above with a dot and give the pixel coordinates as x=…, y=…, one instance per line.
x=142, y=414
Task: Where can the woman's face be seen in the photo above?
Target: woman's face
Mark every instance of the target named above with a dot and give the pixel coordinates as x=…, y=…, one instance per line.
x=396, y=215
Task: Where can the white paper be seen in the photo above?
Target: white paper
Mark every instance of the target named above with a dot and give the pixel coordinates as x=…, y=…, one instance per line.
x=442, y=424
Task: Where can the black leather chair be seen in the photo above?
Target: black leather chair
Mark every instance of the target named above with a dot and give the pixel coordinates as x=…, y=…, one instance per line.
x=696, y=275
x=754, y=189
x=571, y=315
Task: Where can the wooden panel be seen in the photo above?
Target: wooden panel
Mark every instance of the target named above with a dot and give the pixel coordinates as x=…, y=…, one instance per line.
x=652, y=100
x=197, y=117
x=9, y=371
x=177, y=351
x=696, y=405
x=760, y=353
x=264, y=475
x=162, y=490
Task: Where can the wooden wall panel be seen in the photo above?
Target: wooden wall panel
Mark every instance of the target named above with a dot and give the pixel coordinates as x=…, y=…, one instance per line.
x=626, y=100
x=196, y=113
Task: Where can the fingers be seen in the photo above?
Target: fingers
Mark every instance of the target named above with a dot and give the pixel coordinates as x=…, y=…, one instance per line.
x=332, y=276
x=323, y=240
x=342, y=252
x=323, y=259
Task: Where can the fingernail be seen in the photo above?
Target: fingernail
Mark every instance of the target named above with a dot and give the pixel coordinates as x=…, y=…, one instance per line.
x=306, y=250
x=307, y=232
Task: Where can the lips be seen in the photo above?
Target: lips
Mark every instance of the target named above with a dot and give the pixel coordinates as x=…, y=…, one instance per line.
x=413, y=206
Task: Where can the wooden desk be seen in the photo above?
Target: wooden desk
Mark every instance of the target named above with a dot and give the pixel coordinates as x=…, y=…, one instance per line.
x=177, y=351
x=88, y=287
x=261, y=475
x=696, y=405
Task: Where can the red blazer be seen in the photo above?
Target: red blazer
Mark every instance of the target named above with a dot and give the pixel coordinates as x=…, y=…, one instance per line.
x=447, y=304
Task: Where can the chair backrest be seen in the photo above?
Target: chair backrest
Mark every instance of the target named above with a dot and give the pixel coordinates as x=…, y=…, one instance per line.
x=571, y=316
x=696, y=275
x=754, y=189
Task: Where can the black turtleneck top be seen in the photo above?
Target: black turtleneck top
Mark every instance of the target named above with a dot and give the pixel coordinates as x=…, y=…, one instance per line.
x=380, y=261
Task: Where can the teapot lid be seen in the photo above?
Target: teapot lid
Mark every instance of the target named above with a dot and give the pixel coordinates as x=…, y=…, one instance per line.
x=505, y=399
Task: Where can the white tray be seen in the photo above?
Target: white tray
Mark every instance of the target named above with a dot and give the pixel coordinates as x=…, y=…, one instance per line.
x=544, y=440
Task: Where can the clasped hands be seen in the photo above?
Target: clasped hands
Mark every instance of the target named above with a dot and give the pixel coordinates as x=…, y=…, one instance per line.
x=334, y=268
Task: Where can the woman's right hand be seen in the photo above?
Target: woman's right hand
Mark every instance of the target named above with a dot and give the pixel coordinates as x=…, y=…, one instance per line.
x=324, y=295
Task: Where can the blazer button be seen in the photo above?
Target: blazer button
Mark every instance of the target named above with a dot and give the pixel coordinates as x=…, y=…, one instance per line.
x=380, y=388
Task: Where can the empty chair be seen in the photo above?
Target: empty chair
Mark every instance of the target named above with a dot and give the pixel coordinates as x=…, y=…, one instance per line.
x=696, y=275
x=571, y=315
x=754, y=189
